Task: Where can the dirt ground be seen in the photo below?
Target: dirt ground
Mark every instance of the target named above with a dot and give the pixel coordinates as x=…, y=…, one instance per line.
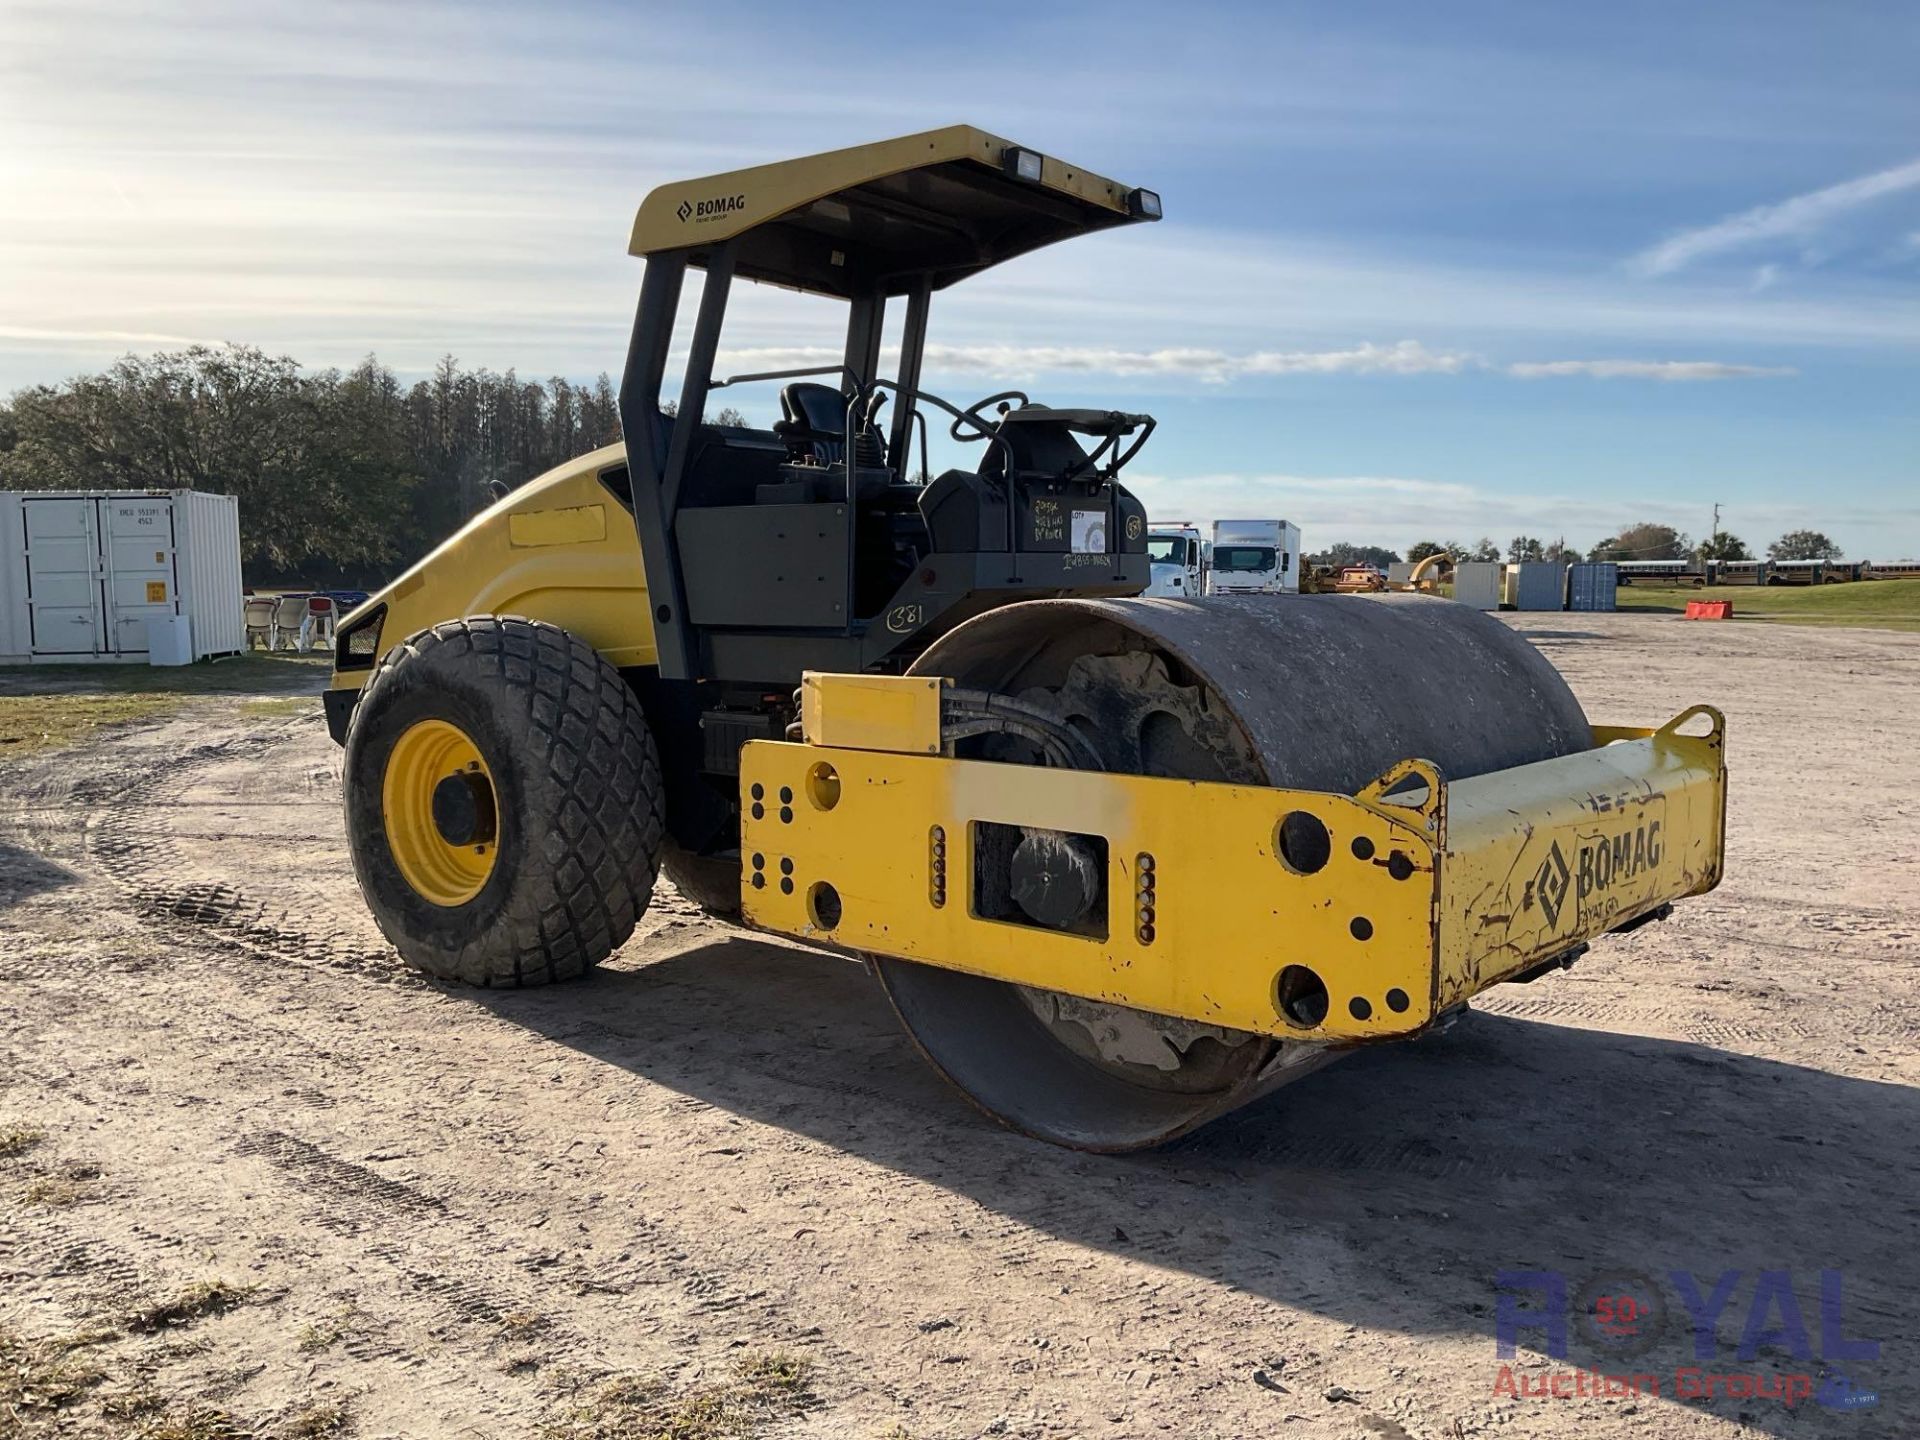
x=450, y=1213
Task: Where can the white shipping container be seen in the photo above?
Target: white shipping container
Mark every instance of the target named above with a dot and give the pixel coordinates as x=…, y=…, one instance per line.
x=84, y=572
x=1478, y=584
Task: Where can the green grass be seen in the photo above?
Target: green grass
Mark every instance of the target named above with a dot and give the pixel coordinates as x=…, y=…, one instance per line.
x=195, y=1422
x=1869, y=604
x=43, y=706
x=18, y=1139
x=41, y=1375
x=763, y=1391
x=40, y=722
x=313, y=1421
x=254, y=673
x=66, y=1187
x=329, y=1330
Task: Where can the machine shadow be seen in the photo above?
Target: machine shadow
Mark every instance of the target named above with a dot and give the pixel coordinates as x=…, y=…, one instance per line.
x=23, y=873
x=1503, y=1145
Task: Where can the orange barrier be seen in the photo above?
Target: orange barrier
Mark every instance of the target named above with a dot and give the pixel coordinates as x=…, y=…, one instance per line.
x=1709, y=610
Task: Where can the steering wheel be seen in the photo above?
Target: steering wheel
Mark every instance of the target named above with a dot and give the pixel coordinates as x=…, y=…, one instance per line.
x=972, y=416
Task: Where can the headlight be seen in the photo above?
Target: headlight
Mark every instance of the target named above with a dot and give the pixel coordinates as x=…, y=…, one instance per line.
x=1145, y=204
x=357, y=645
x=1023, y=164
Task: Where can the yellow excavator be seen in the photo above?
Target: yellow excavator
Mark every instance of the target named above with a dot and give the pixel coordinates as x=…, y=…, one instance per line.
x=1119, y=864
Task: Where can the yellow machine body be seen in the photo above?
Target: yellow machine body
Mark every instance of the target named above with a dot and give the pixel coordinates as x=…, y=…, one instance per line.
x=1424, y=897
x=561, y=548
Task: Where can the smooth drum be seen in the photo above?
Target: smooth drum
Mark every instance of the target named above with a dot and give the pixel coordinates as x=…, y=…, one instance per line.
x=1322, y=692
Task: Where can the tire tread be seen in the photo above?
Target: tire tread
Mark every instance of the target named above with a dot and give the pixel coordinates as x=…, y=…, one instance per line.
x=592, y=777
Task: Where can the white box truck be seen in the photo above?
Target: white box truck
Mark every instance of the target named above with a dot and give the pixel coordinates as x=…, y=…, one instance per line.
x=1175, y=550
x=1255, y=557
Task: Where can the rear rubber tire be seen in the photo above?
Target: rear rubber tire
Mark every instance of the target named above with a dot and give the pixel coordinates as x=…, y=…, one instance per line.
x=710, y=882
x=579, y=798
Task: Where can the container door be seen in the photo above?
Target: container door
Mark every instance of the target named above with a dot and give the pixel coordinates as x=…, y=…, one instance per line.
x=63, y=576
x=140, y=577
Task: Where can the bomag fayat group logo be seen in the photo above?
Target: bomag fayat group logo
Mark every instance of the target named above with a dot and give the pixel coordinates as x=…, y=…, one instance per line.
x=711, y=208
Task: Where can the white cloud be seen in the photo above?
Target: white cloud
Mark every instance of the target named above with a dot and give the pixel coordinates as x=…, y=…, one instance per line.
x=395, y=191
x=1407, y=357
x=1215, y=367
x=1396, y=511
x=1662, y=370
x=1385, y=510
x=92, y=339
x=1237, y=292
x=1798, y=217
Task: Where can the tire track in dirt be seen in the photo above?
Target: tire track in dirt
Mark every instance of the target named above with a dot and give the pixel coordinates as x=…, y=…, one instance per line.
x=430, y=1245
x=111, y=1274
x=133, y=837
x=1771, y=1024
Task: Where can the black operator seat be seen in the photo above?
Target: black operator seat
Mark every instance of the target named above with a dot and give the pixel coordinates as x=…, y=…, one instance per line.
x=814, y=426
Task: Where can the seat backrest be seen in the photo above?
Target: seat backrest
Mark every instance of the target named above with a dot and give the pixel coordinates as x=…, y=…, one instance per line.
x=320, y=604
x=259, y=611
x=815, y=424
x=290, y=609
x=820, y=408
x=813, y=421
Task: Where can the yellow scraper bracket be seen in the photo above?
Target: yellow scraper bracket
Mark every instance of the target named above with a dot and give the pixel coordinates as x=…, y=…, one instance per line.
x=1293, y=913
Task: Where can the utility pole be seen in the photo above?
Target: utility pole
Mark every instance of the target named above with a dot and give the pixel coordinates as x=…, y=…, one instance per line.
x=1713, y=539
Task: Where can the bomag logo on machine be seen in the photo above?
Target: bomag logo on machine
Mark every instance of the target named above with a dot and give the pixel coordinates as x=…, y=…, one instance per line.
x=1601, y=864
x=1550, y=885
x=1609, y=860
x=711, y=209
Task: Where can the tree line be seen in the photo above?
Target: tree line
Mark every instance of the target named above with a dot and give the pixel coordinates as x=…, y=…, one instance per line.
x=343, y=477
x=1646, y=541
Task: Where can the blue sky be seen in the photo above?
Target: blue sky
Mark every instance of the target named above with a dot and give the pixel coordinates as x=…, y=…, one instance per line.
x=1427, y=270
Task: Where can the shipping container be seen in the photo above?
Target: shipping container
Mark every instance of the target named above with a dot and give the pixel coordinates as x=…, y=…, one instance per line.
x=84, y=573
x=1477, y=583
x=1592, y=587
x=1540, y=585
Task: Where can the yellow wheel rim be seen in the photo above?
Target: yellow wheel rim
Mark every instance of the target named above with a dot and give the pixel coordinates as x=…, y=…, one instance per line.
x=440, y=809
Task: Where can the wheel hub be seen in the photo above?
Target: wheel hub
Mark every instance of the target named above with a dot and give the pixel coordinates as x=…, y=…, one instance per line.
x=1055, y=877
x=1143, y=721
x=441, y=813
x=463, y=810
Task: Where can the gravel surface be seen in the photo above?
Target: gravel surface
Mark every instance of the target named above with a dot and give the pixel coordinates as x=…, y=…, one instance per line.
x=445, y=1212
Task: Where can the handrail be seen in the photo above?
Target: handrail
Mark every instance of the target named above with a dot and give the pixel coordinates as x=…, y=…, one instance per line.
x=840, y=370
x=914, y=396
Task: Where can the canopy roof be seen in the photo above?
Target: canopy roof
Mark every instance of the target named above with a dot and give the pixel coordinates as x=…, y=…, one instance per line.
x=944, y=203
